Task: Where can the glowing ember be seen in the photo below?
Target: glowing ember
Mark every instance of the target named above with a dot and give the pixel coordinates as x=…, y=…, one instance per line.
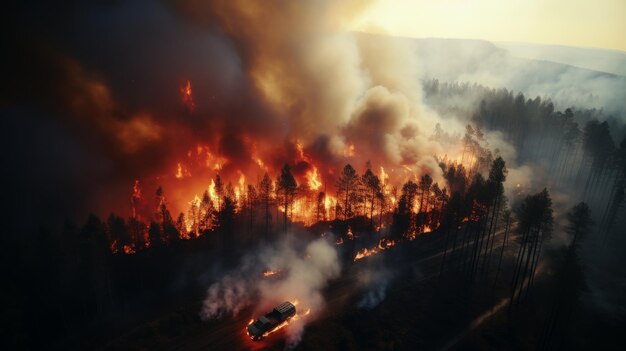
x=187, y=97
x=270, y=273
x=349, y=235
x=114, y=246
x=179, y=171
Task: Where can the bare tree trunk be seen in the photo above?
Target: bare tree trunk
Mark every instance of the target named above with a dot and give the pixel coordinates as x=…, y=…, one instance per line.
x=506, y=232
x=493, y=228
x=536, y=257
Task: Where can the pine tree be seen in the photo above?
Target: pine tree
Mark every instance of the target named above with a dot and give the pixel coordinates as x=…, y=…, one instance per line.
x=285, y=190
x=347, y=189
x=265, y=197
x=372, y=186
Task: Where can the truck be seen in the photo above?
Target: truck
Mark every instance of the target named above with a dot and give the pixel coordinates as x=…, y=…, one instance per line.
x=271, y=321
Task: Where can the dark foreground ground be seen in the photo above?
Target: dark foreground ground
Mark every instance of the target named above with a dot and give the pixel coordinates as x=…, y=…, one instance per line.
x=419, y=309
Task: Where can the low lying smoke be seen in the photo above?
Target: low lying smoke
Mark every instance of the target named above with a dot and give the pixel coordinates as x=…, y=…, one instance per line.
x=291, y=274
x=375, y=282
x=567, y=80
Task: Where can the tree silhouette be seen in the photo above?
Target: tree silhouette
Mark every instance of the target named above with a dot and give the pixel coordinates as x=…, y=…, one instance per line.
x=219, y=191
x=347, y=188
x=154, y=236
x=535, y=223
x=285, y=189
x=206, y=213
x=226, y=217
x=497, y=176
x=424, y=186
x=571, y=280
x=372, y=186
x=118, y=232
x=265, y=197
x=320, y=213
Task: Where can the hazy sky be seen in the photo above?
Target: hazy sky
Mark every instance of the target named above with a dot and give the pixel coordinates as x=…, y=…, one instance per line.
x=595, y=23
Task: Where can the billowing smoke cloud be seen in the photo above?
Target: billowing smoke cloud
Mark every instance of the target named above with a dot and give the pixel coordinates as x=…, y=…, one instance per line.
x=266, y=78
x=345, y=99
x=299, y=276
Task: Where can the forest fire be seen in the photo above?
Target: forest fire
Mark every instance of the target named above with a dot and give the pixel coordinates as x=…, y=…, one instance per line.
x=297, y=198
x=210, y=187
x=173, y=166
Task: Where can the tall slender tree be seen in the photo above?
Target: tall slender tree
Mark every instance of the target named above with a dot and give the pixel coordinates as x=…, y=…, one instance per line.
x=347, y=187
x=286, y=189
x=265, y=197
x=372, y=186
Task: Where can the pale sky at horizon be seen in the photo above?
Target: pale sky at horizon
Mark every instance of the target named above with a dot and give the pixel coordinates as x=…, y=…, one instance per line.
x=597, y=24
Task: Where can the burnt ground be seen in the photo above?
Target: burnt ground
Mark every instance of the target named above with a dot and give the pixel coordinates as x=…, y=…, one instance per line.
x=420, y=310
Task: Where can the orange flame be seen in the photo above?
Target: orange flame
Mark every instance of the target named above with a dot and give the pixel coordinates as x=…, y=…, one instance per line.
x=313, y=179
x=349, y=151
x=269, y=273
x=135, y=197
x=383, y=244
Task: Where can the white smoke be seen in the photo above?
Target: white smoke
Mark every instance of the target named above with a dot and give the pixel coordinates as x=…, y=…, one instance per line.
x=375, y=282
x=301, y=274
